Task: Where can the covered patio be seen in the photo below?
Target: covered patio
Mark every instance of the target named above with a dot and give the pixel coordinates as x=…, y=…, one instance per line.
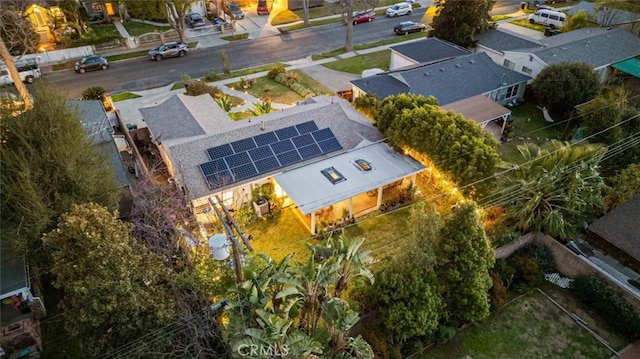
x=484, y=111
x=348, y=185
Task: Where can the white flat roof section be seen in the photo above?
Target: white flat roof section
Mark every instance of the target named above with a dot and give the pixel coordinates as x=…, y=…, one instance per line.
x=311, y=190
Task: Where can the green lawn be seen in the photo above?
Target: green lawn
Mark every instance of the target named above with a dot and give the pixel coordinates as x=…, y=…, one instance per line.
x=124, y=96
x=284, y=233
x=528, y=327
x=528, y=126
x=279, y=93
x=135, y=28
x=357, y=64
x=105, y=30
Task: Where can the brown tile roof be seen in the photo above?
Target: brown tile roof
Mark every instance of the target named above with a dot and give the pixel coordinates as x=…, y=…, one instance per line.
x=621, y=227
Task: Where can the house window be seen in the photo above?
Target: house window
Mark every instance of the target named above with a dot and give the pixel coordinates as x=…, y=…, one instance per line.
x=512, y=91
x=96, y=7
x=509, y=64
x=333, y=175
x=526, y=70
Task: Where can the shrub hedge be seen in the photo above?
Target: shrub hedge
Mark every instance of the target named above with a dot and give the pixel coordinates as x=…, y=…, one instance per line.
x=603, y=299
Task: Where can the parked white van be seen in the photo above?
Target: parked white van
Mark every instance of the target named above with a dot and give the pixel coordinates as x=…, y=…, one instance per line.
x=548, y=17
x=28, y=71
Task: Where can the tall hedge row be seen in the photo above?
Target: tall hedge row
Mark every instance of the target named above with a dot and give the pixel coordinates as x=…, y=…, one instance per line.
x=598, y=295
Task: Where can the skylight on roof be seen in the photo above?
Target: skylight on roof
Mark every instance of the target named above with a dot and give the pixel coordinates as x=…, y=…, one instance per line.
x=333, y=175
x=363, y=165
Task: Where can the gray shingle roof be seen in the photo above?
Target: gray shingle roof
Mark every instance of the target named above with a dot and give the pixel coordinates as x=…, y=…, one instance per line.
x=448, y=81
x=620, y=227
x=171, y=119
x=502, y=40
x=595, y=46
x=429, y=50
x=606, y=17
x=349, y=127
x=97, y=126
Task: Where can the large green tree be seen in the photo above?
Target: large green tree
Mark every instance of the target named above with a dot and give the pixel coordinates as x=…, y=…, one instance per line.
x=114, y=288
x=457, y=146
x=562, y=86
x=624, y=185
x=464, y=258
x=461, y=21
x=405, y=294
x=48, y=163
x=610, y=109
x=174, y=11
x=556, y=189
x=612, y=118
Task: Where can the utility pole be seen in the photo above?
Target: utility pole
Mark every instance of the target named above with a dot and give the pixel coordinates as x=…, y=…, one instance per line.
x=229, y=225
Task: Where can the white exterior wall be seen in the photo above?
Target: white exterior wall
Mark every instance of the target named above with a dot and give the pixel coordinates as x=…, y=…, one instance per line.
x=53, y=57
x=399, y=61
x=521, y=59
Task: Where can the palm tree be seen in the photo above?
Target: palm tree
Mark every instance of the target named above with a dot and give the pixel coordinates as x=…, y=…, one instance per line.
x=339, y=319
x=275, y=337
x=557, y=188
x=314, y=280
x=352, y=262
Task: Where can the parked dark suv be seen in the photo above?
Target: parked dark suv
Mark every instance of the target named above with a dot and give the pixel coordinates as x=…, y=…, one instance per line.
x=234, y=11
x=408, y=27
x=194, y=20
x=169, y=49
x=90, y=63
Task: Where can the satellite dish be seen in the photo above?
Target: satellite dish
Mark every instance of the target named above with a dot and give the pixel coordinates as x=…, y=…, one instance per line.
x=219, y=247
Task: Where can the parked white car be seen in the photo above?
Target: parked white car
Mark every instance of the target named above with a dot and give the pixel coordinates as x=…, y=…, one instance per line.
x=399, y=9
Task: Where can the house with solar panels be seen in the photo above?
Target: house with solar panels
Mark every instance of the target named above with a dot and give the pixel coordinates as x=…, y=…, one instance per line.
x=322, y=156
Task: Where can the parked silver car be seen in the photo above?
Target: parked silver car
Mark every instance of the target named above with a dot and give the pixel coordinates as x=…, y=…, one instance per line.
x=169, y=49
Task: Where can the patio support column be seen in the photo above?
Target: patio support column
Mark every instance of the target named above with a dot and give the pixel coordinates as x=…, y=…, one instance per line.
x=379, y=196
x=313, y=222
x=413, y=180
x=504, y=123
x=351, y=206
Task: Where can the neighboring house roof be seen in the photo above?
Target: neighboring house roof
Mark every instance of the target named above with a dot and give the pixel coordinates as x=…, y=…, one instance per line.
x=429, y=50
x=13, y=272
x=606, y=16
x=312, y=190
x=596, y=46
x=97, y=126
x=348, y=126
x=183, y=116
x=448, y=81
x=478, y=108
x=504, y=40
x=621, y=227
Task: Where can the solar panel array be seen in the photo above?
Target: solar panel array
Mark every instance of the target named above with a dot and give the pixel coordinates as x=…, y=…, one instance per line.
x=242, y=159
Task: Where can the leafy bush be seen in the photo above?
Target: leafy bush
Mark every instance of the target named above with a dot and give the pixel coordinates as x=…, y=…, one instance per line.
x=94, y=93
x=541, y=254
x=212, y=76
x=498, y=292
x=367, y=104
x=275, y=72
x=224, y=103
x=527, y=270
x=245, y=215
x=506, y=272
x=503, y=236
x=599, y=296
x=197, y=88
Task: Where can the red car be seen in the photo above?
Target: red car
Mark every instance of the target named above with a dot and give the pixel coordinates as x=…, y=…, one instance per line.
x=363, y=16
